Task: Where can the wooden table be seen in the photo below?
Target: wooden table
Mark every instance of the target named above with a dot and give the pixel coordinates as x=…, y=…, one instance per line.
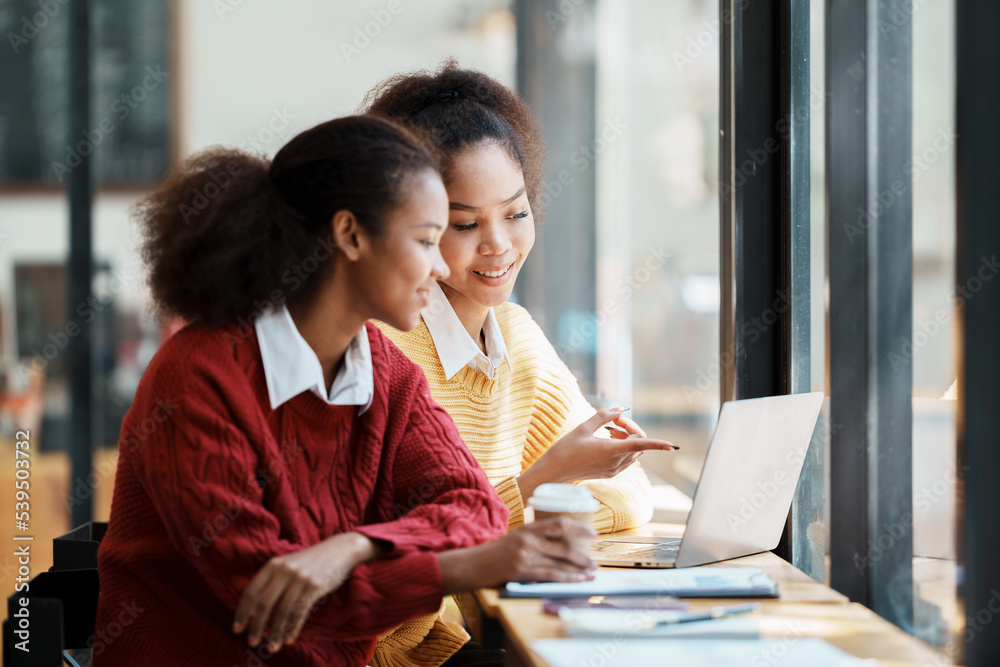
x=803, y=608
x=850, y=627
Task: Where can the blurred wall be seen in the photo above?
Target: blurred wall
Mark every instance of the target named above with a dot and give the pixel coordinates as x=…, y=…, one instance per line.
x=254, y=75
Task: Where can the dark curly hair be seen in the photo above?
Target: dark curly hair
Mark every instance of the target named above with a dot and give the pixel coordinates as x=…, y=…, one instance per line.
x=458, y=108
x=230, y=234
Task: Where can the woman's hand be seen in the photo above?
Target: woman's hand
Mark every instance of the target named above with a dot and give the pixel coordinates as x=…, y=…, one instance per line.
x=291, y=584
x=539, y=551
x=579, y=455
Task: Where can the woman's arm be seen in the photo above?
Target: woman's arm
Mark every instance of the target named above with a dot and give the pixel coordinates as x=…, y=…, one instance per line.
x=541, y=551
x=198, y=470
x=441, y=498
x=605, y=465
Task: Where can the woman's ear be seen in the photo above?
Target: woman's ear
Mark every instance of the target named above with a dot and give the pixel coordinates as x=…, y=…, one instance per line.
x=348, y=235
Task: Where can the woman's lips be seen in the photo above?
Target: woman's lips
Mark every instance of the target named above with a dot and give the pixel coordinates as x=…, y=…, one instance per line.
x=496, y=273
x=495, y=277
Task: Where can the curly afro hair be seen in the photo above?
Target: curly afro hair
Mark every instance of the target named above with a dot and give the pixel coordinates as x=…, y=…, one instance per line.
x=227, y=234
x=458, y=108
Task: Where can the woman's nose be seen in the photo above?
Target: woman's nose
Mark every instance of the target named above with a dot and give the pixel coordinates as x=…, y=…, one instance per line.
x=439, y=268
x=495, y=241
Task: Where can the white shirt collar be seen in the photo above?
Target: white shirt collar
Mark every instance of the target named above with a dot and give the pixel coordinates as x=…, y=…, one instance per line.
x=291, y=366
x=455, y=346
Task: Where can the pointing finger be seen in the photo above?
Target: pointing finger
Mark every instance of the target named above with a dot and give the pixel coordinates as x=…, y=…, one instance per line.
x=637, y=444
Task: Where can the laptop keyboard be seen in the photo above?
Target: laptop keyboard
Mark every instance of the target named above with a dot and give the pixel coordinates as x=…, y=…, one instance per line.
x=633, y=551
x=655, y=552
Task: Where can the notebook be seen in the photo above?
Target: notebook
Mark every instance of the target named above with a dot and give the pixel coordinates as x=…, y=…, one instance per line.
x=693, y=582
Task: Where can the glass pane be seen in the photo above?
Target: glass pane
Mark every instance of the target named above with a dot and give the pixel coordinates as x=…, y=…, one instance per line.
x=810, y=554
x=932, y=344
x=658, y=225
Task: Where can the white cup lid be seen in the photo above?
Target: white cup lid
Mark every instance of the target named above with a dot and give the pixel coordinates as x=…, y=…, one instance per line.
x=563, y=498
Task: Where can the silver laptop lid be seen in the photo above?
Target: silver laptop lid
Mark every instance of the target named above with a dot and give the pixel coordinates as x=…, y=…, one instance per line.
x=749, y=477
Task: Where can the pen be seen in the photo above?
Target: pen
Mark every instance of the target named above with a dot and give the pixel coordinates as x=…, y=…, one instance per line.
x=671, y=618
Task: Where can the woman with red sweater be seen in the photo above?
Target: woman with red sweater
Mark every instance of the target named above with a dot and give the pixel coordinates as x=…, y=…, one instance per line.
x=286, y=487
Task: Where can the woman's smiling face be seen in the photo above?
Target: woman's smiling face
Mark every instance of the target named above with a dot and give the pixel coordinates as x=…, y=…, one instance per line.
x=490, y=226
x=395, y=276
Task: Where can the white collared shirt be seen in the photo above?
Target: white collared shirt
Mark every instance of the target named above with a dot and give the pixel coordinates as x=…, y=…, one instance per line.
x=455, y=347
x=291, y=366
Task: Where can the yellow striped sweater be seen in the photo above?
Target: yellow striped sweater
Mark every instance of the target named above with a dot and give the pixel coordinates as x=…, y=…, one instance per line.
x=508, y=422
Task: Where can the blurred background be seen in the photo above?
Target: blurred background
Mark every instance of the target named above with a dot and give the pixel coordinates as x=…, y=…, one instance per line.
x=625, y=274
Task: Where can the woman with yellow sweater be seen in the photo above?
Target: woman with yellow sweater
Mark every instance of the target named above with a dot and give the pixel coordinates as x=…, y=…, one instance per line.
x=516, y=404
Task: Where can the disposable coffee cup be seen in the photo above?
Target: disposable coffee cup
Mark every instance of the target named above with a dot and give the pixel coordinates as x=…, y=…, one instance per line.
x=568, y=500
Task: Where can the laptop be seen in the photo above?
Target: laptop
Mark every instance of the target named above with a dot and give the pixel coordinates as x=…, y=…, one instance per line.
x=745, y=491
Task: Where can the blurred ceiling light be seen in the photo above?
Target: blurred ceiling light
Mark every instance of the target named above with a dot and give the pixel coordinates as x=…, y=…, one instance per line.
x=700, y=293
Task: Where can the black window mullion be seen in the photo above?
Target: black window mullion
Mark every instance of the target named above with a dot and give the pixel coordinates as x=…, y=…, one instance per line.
x=752, y=226
x=869, y=242
x=977, y=292
x=764, y=204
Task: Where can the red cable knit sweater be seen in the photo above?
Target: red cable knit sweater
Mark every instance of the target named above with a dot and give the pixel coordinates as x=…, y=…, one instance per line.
x=212, y=483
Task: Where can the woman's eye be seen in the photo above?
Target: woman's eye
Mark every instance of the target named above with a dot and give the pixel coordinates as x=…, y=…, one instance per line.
x=428, y=244
x=464, y=228
x=518, y=216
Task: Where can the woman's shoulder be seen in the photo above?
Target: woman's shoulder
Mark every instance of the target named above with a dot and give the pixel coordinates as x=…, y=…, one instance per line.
x=392, y=348
x=521, y=333
x=416, y=345
x=200, y=355
x=398, y=337
x=516, y=319
x=530, y=351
